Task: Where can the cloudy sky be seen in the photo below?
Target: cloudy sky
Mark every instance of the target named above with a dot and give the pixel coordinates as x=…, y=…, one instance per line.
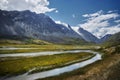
x=99, y=17
x=101, y=23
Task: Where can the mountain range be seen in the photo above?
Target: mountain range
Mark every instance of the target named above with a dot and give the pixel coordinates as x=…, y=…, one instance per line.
x=41, y=26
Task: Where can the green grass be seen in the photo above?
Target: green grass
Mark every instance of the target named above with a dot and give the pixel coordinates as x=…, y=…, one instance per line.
x=97, y=69
x=13, y=66
x=40, y=45
x=50, y=47
x=94, y=70
x=24, y=41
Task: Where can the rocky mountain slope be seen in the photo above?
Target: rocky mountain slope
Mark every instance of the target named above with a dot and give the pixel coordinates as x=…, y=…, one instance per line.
x=30, y=24
x=106, y=37
x=86, y=35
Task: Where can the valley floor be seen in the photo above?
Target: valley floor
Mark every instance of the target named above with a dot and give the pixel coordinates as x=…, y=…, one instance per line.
x=106, y=69
x=24, y=48
x=40, y=63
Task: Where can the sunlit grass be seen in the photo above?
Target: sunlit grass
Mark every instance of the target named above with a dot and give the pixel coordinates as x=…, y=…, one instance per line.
x=19, y=65
x=39, y=48
x=95, y=70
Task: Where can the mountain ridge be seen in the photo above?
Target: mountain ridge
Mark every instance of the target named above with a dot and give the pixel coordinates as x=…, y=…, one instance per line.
x=41, y=26
x=30, y=24
x=86, y=35
x=113, y=40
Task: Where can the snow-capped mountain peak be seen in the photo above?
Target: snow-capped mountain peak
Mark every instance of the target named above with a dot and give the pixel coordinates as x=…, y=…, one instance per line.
x=76, y=29
x=85, y=34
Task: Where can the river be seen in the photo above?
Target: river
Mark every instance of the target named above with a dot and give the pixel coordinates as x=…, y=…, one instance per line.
x=52, y=72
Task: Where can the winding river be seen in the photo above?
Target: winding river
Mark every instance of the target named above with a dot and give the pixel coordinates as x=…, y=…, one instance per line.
x=12, y=48
x=41, y=53
x=52, y=72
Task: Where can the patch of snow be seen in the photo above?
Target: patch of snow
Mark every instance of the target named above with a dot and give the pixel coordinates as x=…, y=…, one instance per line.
x=76, y=29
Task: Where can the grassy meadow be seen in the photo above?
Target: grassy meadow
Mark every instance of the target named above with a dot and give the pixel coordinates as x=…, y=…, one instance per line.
x=39, y=48
x=19, y=65
x=13, y=66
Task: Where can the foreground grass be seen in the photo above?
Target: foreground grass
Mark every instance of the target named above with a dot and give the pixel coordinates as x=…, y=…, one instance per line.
x=13, y=66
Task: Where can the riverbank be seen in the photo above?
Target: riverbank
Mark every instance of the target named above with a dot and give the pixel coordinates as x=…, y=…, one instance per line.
x=20, y=65
x=106, y=69
x=22, y=48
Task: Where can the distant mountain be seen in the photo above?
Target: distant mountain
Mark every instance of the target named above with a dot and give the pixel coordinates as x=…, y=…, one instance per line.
x=114, y=40
x=86, y=35
x=39, y=26
x=106, y=37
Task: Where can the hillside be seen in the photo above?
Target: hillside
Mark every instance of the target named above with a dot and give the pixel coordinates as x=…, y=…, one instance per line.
x=37, y=26
x=19, y=40
x=114, y=40
x=40, y=26
x=89, y=37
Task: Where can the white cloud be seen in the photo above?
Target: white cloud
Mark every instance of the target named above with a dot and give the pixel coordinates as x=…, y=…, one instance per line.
x=99, y=23
x=56, y=11
x=59, y=22
x=38, y=6
x=109, y=30
x=94, y=14
x=73, y=15
x=110, y=11
x=117, y=21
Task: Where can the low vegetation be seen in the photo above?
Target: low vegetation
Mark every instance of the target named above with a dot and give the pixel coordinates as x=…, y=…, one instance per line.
x=38, y=48
x=106, y=69
x=114, y=40
x=18, y=65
